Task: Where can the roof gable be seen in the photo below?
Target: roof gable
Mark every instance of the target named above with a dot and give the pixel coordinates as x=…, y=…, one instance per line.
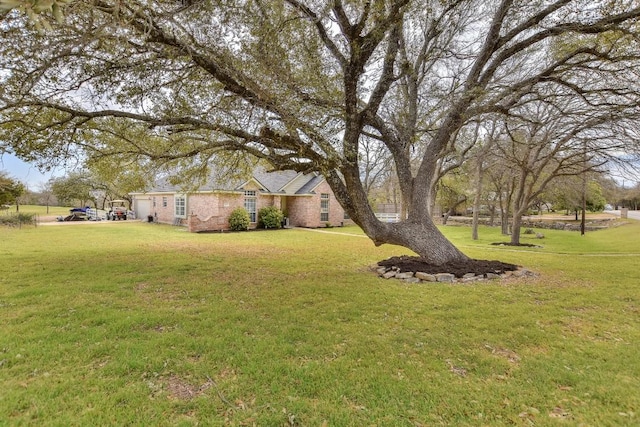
x=251, y=183
x=311, y=185
x=274, y=182
x=296, y=183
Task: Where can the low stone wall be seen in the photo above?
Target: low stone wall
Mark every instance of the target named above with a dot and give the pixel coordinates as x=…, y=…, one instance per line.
x=419, y=277
x=591, y=225
x=213, y=223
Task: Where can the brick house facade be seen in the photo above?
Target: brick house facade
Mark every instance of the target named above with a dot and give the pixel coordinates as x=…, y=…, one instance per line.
x=305, y=199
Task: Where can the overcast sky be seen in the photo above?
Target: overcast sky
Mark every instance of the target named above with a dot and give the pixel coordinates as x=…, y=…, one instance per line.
x=24, y=172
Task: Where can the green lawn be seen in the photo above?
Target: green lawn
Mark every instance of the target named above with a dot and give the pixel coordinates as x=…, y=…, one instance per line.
x=144, y=324
x=39, y=210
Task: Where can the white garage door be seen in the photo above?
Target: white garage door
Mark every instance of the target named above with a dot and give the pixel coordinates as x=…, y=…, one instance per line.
x=142, y=208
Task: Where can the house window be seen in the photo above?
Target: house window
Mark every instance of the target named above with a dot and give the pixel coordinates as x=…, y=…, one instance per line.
x=250, y=204
x=324, y=207
x=164, y=201
x=181, y=206
x=154, y=202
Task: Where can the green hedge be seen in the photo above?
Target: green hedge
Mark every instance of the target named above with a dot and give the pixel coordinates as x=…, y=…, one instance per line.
x=239, y=219
x=270, y=217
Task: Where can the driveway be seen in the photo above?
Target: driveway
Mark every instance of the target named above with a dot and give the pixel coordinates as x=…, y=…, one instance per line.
x=52, y=220
x=631, y=214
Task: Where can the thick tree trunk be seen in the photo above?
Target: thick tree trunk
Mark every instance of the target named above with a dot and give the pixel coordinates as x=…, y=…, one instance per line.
x=515, y=228
x=476, y=205
x=474, y=224
x=492, y=217
x=504, y=221
x=424, y=238
x=419, y=233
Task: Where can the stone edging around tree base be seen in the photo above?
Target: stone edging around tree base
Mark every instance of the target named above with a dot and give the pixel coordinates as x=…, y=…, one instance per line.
x=419, y=277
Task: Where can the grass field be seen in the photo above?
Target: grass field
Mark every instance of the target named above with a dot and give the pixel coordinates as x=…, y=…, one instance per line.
x=40, y=211
x=144, y=324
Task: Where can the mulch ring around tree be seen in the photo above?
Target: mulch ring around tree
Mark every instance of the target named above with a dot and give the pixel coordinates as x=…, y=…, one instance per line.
x=469, y=268
x=524, y=245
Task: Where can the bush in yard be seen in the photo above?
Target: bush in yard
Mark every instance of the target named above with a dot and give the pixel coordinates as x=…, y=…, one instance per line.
x=239, y=219
x=16, y=220
x=270, y=217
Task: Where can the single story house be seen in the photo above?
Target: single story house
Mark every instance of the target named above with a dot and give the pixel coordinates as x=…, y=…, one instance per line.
x=305, y=199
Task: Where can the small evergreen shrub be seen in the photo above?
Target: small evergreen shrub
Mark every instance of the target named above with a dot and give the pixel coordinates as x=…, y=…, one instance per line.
x=270, y=217
x=239, y=219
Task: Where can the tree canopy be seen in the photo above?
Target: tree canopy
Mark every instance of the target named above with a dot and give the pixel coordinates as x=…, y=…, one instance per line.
x=10, y=189
x=304, y=85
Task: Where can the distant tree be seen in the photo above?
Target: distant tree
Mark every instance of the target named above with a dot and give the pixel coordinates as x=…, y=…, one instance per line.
x=543, y=144
x=73, y=189
x=564, y=193
x=595, y=200
x=45, y=194
x=28, y=197
x=610, y=188
x=376, y=166
x=452, y=193
x=10, y=190
x=114, y=180
x=387, y=194
x=630, y=197
x=480, y=162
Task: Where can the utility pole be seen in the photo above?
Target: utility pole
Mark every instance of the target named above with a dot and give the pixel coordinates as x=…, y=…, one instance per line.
x=584, y=190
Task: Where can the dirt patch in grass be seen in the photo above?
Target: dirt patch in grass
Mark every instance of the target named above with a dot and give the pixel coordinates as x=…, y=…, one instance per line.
x=179, y=389
x=458, y=269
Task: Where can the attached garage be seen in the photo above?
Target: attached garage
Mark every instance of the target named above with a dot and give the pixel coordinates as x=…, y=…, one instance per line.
x=142, y=207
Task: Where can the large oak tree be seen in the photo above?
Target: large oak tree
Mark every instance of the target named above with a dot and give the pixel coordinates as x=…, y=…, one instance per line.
x=303, y=83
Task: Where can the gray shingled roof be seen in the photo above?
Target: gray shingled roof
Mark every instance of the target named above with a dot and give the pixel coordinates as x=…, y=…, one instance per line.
x=272, y=182
x=162, y=185
x=311, y=184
